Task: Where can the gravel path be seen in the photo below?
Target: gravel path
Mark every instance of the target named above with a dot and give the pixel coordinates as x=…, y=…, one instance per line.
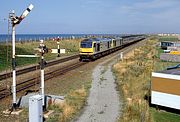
x=103, y=101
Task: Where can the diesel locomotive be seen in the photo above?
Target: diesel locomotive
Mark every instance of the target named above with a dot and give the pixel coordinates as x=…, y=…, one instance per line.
x=93, y=48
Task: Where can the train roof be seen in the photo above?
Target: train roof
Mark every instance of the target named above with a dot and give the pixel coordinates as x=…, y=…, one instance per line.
x=127, y=36
x=96, y=39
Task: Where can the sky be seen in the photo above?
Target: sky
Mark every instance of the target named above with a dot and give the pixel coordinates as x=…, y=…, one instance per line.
x=93, y=16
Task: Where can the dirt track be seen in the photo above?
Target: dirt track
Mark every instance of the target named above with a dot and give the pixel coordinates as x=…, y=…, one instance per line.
x=103, y=101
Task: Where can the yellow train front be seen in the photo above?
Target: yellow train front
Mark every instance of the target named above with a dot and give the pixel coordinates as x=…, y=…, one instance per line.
x=93, y=48
x=86, y=49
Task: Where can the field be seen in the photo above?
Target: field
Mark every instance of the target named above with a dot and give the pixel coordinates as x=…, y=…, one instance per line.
x=133, y=80
x=71, y=47
x=168, y=38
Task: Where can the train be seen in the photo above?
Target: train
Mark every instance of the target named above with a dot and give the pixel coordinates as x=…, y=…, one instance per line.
x=94, y=48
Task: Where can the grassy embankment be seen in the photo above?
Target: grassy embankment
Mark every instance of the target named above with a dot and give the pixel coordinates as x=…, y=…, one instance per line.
x=71, y=47
x=133, y=79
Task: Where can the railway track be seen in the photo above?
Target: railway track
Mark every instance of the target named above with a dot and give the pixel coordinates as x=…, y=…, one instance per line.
x=33, y=68
x=4, y=92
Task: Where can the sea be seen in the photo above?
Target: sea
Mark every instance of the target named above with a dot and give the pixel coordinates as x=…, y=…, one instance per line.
x=37, y=37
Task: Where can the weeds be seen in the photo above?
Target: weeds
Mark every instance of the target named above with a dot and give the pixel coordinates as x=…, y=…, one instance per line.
x=73, y=103
x=133, y=82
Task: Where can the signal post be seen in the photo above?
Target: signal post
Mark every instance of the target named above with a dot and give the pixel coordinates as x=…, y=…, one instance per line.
x=42, y=49
x=15, y=20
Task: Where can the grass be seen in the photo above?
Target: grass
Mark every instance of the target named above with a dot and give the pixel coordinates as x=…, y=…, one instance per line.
x=71, y=46
x=67, y=110
x=159, y=51
x=168, y=38
x=162, y=116
x=75, y=100
x=133, y=79
x=5, y=58
x=75, y=88
x=161, y=65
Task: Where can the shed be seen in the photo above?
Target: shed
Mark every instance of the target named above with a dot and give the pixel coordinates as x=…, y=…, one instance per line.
x=165, y=88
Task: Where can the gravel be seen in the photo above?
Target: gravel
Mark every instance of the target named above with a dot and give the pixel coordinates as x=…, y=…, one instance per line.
x=169, y=57
x=103, y=104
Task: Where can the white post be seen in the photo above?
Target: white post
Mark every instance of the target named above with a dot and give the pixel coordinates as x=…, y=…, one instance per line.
x=42, y=78
x=121, y=56
x=14, y=67
x=15, y=21
x=42, y=65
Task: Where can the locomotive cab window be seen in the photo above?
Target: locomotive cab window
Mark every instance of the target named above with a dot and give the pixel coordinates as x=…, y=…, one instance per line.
x=86, y=44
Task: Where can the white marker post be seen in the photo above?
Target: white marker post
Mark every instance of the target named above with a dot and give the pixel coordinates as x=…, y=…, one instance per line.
x=15, y=21
x=42, y=78
x=121, y=56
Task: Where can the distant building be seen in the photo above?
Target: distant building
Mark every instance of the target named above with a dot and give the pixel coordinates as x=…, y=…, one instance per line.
x=167, y=34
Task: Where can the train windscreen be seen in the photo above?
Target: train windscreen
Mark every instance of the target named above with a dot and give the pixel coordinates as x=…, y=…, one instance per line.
x=86, y=44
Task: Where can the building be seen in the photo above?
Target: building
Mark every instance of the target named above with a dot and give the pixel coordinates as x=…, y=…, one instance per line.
x=165, y=88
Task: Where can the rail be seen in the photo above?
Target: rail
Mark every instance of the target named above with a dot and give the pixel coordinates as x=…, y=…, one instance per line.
x=33, y=68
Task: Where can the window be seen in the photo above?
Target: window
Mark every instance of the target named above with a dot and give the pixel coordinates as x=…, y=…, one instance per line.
x=86, y=44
